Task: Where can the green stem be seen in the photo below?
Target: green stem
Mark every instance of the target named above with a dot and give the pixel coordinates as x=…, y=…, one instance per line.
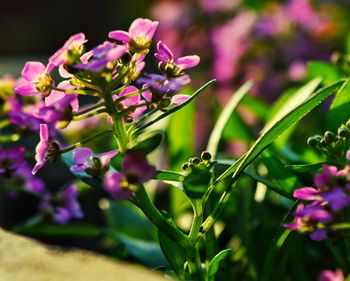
x=117, y=118
x=197, y=219
x=195, y=265
x=148, y=208
x=91, y=114
x=88, y=109
x=86, y=140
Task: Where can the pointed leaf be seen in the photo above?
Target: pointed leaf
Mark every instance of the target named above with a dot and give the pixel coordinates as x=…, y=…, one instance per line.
x=339, y=112
x=278, y=126
x=227, y=111
x=215, y=263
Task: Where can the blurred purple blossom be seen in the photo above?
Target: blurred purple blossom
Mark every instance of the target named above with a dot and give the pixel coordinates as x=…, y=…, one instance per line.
x=135, y=170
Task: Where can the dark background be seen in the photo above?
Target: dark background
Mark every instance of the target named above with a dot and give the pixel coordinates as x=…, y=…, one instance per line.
x=36, y=29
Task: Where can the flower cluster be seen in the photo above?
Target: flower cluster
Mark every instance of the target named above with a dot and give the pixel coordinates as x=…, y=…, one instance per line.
x=106, y=72
x=111, y=74
x=326, y=201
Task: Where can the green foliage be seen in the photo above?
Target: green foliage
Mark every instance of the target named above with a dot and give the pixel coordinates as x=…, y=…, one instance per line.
x=340, y=109
x=215, y=263
x=279, y=124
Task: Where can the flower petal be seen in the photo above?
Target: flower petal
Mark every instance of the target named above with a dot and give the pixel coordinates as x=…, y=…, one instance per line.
x=32, y=70
x=187, y=62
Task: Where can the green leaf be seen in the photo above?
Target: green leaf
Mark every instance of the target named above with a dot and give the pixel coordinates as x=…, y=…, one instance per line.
x=196, y=182
x=147, y=141
x=181, y=135
x=339, y=112
x=222, y=165
x=215, y=263
x=130, y=227
x=178, y=107
x=305, y=168
x=325, y=70
x=291, y=101
x=173, y=253
x=278, y=174
x=276, y=245
x=128, y=220
x=148, y=253
x=227, y=111
x=169, y=176
x=278, y=126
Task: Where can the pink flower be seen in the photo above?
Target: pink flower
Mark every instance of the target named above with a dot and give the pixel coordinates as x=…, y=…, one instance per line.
x=328, y=275
x=70, y=52
x=113, y=185
x=139, y=36
x=36, y=79
x=170, y=65
x=45, y=150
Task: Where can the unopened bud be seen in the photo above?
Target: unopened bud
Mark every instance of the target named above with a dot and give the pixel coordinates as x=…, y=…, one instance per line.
x=184, y=166
x=343, y=132
x=312, y=141
x=329, y=137
x=206, y=156
x=195, y=160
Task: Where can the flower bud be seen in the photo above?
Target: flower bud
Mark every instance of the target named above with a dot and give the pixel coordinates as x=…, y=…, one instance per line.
x=206, y=156
x=312, y=141
x=329, y=137
x=343, y=132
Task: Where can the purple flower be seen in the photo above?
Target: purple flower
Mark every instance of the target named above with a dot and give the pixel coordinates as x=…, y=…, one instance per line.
x=162, y=89
x=102, y=55
x=171, y=66
x=45, y=149
x=36, y=79
x=307, y=219
x=63, y=206
x=59, y=106
x=139, y=36
x=328, y=275
x=86, y=162
x=23, y=116
x=30, y=182
x=113, y=185
x=336, y=198
x=135, y=170
x=324, y=180
x=11, y=160
x=70, y=52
